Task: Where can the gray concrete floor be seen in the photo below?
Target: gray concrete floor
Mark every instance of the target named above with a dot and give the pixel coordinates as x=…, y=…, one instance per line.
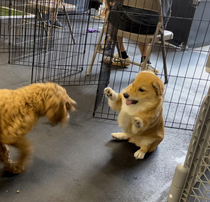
x=81, y=162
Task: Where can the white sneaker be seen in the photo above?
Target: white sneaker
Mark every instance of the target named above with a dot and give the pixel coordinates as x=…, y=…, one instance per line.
x=107, y=59
x=99, y=17
x=116, y=61
x=100, y=11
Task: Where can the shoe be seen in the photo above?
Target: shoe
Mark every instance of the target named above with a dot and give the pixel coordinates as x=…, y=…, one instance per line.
x=107, y=59
x=57, y=24
x=47, y=23
x=99, y=17
x=100, y=11
x=116, y=61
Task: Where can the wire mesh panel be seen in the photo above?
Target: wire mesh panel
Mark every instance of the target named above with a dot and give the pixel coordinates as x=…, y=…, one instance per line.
x=199, y=174
x=22, y=32
x=63, y=52
x=6, y=17
x=191, y=181
x=58, y=42
x=201, y=190
x=187, y=80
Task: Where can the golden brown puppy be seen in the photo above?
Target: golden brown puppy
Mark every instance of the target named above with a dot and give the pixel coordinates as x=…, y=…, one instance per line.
x=140, y=112
x=19, y=112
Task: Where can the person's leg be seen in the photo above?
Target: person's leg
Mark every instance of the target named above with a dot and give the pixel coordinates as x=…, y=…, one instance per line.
x=102, y=11
x=112, y=29
x=121, y=43
x=112, y=32
x=144, y=48
x=47, y=16
x=122, y=47
x=106, y=7
x=58, y=24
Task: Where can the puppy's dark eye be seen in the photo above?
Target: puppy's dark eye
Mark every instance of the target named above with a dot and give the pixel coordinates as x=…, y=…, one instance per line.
x=141, y=90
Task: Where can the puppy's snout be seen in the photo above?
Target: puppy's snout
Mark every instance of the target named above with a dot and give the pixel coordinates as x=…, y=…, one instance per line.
x=126, y=95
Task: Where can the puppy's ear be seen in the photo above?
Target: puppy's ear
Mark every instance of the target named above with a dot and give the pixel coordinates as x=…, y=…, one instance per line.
x=159, y=88
x=70, y=105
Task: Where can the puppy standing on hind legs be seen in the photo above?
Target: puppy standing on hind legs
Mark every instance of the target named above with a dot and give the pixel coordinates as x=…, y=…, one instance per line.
x=140, y=112
x=20, y=111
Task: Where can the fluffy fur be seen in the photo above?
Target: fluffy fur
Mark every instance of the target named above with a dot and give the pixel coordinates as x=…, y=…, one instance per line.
x=19, y=112
x=140, y=112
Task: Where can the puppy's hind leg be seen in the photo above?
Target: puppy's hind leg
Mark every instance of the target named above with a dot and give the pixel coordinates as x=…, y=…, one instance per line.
x=25, y=150
x=4, y=156
x=139, y=154
x=120, y=136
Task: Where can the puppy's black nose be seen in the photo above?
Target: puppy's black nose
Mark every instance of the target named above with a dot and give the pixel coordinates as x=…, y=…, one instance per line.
x=126, y=95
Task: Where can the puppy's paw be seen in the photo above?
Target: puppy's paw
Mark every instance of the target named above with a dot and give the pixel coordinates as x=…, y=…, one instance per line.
x=139, y=154
x=14, y=168
x=120, y=136
x=111, y=94
x=137, y=122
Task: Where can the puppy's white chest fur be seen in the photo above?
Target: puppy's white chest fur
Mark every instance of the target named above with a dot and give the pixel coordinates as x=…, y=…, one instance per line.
x=124, y=120
x=125, y=116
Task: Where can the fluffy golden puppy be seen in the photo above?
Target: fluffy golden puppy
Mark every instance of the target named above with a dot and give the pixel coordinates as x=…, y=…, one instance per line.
x=140, y=112
x=19, y=112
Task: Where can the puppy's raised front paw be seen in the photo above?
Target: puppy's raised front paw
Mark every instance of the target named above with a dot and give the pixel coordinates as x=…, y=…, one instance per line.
x=111, y=94
x=138, y=122
x=139, y=154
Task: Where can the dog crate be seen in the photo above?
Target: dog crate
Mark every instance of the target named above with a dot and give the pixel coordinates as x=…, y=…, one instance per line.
x=191, y=180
